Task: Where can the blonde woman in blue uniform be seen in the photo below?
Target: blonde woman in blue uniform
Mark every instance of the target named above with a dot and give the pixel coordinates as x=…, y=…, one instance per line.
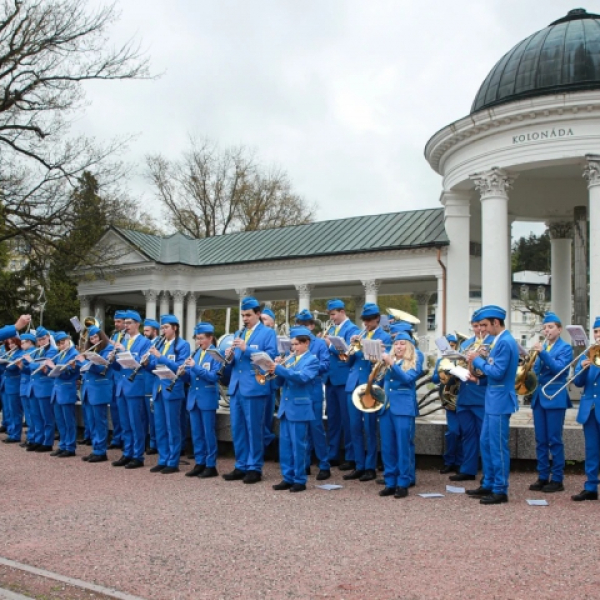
x=202, y=373
x=27, y=346
x=397, y=420
x=296, y=374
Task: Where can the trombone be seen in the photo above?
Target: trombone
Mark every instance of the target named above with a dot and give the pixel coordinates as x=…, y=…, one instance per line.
x=592, y=352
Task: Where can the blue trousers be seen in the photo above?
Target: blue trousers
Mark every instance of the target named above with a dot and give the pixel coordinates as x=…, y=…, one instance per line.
x=591, y=434
x=167, y=421
x=548, y=427
x=64, y=414
x=99, y=425
x=317, y=438
x=470, y=420
x=132, y=426
x=413, y=458
x=5, y=411
x=338, y=422
x=117, y=434
x=363, y=425
x=247, y=429
x=44, y=429
x=149, y=426
x=35, y=421
x=88, y=417
x=15, y=416
x=292, y=450
x=204, y=436
x=453, y=454
x=26, y=403
x=495, y=453
x=395, y=432
x=269, y=436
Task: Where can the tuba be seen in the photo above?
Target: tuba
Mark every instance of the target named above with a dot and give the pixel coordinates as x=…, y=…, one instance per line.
x=370, y=397
x=84, y=335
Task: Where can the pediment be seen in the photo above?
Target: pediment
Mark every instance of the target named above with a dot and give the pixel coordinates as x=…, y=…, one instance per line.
x=119, y=251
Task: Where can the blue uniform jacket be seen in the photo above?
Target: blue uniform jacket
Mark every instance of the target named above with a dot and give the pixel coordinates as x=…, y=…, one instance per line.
x=40, y=382
x=25, y=388
x=98, y=388
x=319, y=348
x=12, y=374
x=177, y=353
x=263, y=339
x=471, y=393
x=339, y=369
x=546, y=367
x=65, y=385
x=112, y=373
x=401, y=390
x=500, y=369
x=203, y=378
x=135, y=388
x=360, y=367
x=589, y=381
x=296, y=394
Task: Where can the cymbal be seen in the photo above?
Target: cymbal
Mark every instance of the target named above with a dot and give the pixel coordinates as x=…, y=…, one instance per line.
x=400, y=315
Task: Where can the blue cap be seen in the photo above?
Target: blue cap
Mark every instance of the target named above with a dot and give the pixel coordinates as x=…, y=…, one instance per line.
x=151, y=323
x=134, y=315
x=402, y=335
x=296, y=331
x=28, y=336
x=249, y=302
x=335, y=304
x=401, y=326
x=370, y=310
x=475, y=318
x=93, y=330
x=597, y=323
x=41, y=332
x=550, y=317
x=59, y=336
x=451, y=337
x=204, y=328
x=491, y=311
x=169, y=320
x=304, y=315
x=269, y=312
x=120, y=314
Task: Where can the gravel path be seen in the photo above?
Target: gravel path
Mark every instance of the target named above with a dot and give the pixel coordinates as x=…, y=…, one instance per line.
x=171, y=538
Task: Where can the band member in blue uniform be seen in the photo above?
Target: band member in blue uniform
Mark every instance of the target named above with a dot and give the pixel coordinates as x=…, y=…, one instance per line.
x=338, y=419
x=500, y=403
x=4, y=402
x=248, y=396
x=64, y=394
x=549, y=414
x=202, y=373
x=587, y=376
x=27, y=346
x=117, y=337
x=267, y=317
x=296, y=374
x=316, y=431
x=42, y=386
x=130, y=395
x=151, y=331
x=364, y=424
x=11, y=392
x=397, y=419
x=168, y=395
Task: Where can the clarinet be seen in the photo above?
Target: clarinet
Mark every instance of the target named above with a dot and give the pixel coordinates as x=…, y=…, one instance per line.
x=228, y=359
x=113, y=355
x=157, y=343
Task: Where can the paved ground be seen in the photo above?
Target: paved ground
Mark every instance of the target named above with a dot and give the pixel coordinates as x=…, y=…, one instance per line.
x=170, y=538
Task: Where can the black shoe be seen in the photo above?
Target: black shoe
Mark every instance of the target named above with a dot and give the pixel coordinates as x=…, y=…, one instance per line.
x=585, y=495
x=169, y=470
x=196, y=471
x=134, y=464
x=86, y=458
x=124, y=460
x=2, y=429
x=494, y=499
x=209, y=472
x=115, y=446
x=349, y=465
x=56, y=452
x=323, y=474
x=24, y=444
x=282, y=485
x=32, y=447
x=151, y=451
x=368, y=475
x=448, y=469
x=11, y=441
x=462, y=477
x=235, y=475
x=386, y=491
x=298, y=487
x=479, y=492
x=252, y=477
x=334, y=462
x=353, y=475
x=308, y=470
x=87, y=442
x=66, y=454
x=44, y=448
x=538, y=485
x=157, y=468
x=94, y=458
x=401, y=492
x=553, y=486
x=412, y=484
x=380, y=482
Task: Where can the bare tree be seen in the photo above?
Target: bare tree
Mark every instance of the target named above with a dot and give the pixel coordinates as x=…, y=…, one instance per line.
x=211, y=192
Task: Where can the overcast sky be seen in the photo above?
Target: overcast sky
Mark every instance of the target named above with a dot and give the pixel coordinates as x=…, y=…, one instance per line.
x=343, y=94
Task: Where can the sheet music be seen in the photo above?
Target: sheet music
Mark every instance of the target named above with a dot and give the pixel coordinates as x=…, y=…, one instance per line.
x=164, y=373
x=215, y=354
x=262, y=360
x=76, y=324
x=96, y=359
x=453, y=355
x=443, y=345
x=85, y=367
x=4, y=361
x=284, y=344
x=372, y=349
x=57, y=370
x=578, y=336
x=338, y=343
x=460, y=372
x=126, y=360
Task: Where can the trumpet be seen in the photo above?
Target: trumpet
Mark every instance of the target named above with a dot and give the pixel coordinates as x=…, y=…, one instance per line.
x=356, y=345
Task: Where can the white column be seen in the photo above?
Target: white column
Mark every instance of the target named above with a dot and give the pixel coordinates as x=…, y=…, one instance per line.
x=493, y=185
x=228, y=320
x=371, y=290
x=100, y=312
x=164, y=304
x=422, y=306
x=190, y=315
x=509, y=308
x=150, y=303
x=592, y=174
x=560, y=268
x=304, y=290
x=242, y=293
x=178, y=297
x=359, y=302
x=457, y=224
x=84, y=308
x=439, y=310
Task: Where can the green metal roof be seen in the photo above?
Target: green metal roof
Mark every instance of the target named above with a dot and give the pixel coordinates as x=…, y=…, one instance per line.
x=371, y=233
